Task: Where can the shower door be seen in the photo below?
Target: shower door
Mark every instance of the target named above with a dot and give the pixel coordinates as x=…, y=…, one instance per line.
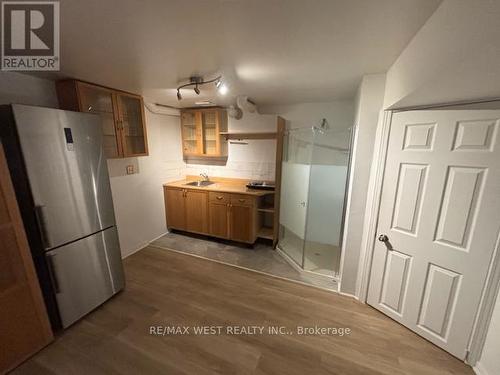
x=314, y=179
x=297, y=153
x=326, y=201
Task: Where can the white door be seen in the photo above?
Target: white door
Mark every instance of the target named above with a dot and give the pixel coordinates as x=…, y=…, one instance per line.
x=440, y=210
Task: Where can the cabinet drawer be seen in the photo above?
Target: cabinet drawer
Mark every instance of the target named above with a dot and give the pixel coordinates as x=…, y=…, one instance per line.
x=218, y=197
x=242, y=200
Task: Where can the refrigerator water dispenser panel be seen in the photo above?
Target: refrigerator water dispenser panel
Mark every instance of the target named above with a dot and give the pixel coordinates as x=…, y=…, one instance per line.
x=69, y=139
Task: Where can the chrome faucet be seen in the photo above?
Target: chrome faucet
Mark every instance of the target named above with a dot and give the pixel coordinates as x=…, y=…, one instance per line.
x=205, y=176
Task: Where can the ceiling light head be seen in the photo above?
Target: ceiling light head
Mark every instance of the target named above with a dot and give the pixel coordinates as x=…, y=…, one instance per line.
x=222, y=89
x=179, y=96
x=197, y=90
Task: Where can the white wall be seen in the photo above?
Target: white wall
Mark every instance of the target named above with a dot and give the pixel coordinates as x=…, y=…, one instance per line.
x=255, y=159
x=339, y=113
x=454, y=57
x=24, y=89
x=138, y=198
x=368, y=105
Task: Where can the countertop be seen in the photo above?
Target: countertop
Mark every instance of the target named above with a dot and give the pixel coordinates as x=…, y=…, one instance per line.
x=222, y=187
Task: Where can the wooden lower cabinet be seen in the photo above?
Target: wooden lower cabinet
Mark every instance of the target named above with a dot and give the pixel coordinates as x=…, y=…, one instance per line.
x=175, y=208
x=222, y=215
x=196, y=211
x=218, y=219
x=242, y=223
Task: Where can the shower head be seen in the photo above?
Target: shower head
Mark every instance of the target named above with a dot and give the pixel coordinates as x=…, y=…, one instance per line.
x=324, y=124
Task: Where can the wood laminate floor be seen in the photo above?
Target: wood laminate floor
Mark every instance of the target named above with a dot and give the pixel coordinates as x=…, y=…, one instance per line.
x=170, y=289
x=260, y=257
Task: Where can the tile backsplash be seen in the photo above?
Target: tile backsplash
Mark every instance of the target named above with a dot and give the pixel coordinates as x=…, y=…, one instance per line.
x=235, y=169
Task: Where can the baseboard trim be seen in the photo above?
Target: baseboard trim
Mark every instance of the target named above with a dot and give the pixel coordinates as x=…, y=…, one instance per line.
x=146, y=244
x=479, y=369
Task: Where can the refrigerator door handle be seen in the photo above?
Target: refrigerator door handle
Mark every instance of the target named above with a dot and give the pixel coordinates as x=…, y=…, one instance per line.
x=42, y=228
x=52, y=273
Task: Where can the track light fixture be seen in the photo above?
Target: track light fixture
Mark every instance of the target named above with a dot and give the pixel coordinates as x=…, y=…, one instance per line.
x=197, y=81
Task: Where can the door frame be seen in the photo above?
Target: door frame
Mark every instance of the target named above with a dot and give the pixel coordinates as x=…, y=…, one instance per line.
x=373, y=203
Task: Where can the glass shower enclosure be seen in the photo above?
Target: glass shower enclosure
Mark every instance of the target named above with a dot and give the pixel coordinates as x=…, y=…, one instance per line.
x=314, y=179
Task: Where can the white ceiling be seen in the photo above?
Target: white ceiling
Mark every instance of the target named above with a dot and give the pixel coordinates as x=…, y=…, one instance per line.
x=274, y=51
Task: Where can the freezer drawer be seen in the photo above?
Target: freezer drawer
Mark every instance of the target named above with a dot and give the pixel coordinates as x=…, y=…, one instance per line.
x=86, y=273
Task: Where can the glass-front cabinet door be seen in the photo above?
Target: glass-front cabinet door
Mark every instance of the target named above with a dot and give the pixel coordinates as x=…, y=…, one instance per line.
x=100, y=101
x=191, y=143
x=131, y=121
x=209, y=129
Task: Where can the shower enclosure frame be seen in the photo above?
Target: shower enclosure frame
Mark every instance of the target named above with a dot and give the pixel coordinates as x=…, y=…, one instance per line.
x=303, y=247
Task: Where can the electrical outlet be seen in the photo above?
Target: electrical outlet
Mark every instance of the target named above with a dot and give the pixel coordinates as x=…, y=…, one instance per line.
x=130, y=169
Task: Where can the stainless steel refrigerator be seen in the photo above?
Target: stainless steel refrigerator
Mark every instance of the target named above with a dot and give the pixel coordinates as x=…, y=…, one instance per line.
x=61, y=180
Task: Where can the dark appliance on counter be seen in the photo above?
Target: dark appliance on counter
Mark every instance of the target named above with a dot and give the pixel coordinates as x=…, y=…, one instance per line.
x=260, y=185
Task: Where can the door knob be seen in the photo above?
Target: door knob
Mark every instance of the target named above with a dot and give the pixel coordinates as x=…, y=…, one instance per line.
x=383, y=238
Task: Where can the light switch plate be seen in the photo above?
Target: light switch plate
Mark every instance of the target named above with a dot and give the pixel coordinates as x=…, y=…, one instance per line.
x=130, y=169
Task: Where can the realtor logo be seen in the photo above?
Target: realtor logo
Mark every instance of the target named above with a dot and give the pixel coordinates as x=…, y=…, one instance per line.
x=30, y=35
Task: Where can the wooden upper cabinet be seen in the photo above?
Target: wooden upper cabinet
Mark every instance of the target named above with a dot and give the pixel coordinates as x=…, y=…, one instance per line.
x=201, y=130
x=133, y=129
x=122, y=114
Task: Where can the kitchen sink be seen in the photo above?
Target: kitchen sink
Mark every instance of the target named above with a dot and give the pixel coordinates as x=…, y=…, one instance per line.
x=200, y=183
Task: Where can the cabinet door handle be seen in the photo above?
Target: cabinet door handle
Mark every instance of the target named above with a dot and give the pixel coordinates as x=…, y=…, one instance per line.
x=241, y=200
x=219, y=197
